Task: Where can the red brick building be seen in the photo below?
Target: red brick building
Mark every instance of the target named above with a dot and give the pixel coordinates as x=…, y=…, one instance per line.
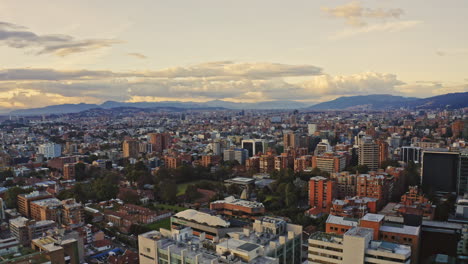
x=321, y=193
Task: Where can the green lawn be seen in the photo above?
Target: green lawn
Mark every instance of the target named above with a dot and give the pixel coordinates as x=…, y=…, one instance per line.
x=182, y=187
x=269, y=198
x=169, y=207
x=165, y=223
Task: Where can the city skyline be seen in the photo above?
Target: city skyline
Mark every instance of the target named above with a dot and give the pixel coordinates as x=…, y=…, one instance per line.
x=243, y=51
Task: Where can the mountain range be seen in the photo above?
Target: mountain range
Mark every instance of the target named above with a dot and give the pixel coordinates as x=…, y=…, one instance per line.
x=367, y=102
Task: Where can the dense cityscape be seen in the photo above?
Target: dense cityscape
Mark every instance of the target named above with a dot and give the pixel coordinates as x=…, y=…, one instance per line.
x=131, y=185
x=233, y=132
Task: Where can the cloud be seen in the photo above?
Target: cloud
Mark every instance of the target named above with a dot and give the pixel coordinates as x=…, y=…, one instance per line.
x=225, y=80
x=391, y=27
x=137, y=55
x=356, y=15
x=452, y=52
x=16, y=36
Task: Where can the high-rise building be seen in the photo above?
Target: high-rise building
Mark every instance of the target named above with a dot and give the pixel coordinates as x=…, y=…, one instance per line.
x=383, y=151
x=322, y=147
x=440, y=170
x=254, y=146
x=241, y=155
x=369, y=153
x=312, y=128
x=346, y=184
x=290, y=140
x=329, y=162
x=130, y=148
x=463, y=176
x=24, y=201
x=321, y=193
x=410, y=153
x=160, y=141
x=50, y=150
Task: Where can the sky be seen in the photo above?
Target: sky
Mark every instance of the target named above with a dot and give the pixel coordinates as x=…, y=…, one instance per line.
x=68, y=51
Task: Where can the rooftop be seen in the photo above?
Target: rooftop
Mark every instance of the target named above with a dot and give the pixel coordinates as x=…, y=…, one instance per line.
x=48, y=202
x=390, y=247
x=360, y=232
x=373, y=217
x=244, y=203
x=339, y=220
x=202, y=218
x=401, y=229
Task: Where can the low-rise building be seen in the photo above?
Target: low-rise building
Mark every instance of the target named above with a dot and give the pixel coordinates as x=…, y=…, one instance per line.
x=231, y=206
x=355, y=246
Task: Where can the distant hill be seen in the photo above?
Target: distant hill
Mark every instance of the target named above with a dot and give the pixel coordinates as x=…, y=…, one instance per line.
x=55, y=109
x=385, y=101
x=75, y=108
x=449, y=101
x=370, y=102
x=375, y=101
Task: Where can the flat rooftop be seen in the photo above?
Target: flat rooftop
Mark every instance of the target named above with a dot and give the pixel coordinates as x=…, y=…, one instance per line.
x=239, y=202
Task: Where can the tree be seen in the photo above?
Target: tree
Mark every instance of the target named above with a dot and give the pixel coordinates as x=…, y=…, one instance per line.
x=168, y=190
x=80, y=171
x=191, y=193
x=6, y=174
x=387, y=163
x=11, y=196
x=130, y=197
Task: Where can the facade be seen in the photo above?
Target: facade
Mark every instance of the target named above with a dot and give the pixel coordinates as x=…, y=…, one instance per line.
x=241, y=155
x=321, y=193
x=254, y=146
x=368, y=153
x=355, y=246
x=24, y=201
x=130, y=148
x=463, y=174
x=25, y=230
x=329, y=162
x=375, y=185
x=346, y=184
x=384, y=231
x=69, y=171
x=290, y=140
x=50, y=150
x=440, y=171
x=159, y=141
x=409, y=153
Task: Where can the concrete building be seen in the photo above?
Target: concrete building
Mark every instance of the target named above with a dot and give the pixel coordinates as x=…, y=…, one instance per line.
x=254, y=146
x=25, y=230
x=130, y=148
x=268, y=241
x=355, y=246
x=24, y=201
x=290, y=140
x=321, y=193
x=346, y=184
x=440, y=170
x=210, y=226
x=241, y=155
x=329, y=162
x=368, y=153
x=159, y=141
x=410, y=153
x=231, y=206
x=384, y=231
x=50, y=150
